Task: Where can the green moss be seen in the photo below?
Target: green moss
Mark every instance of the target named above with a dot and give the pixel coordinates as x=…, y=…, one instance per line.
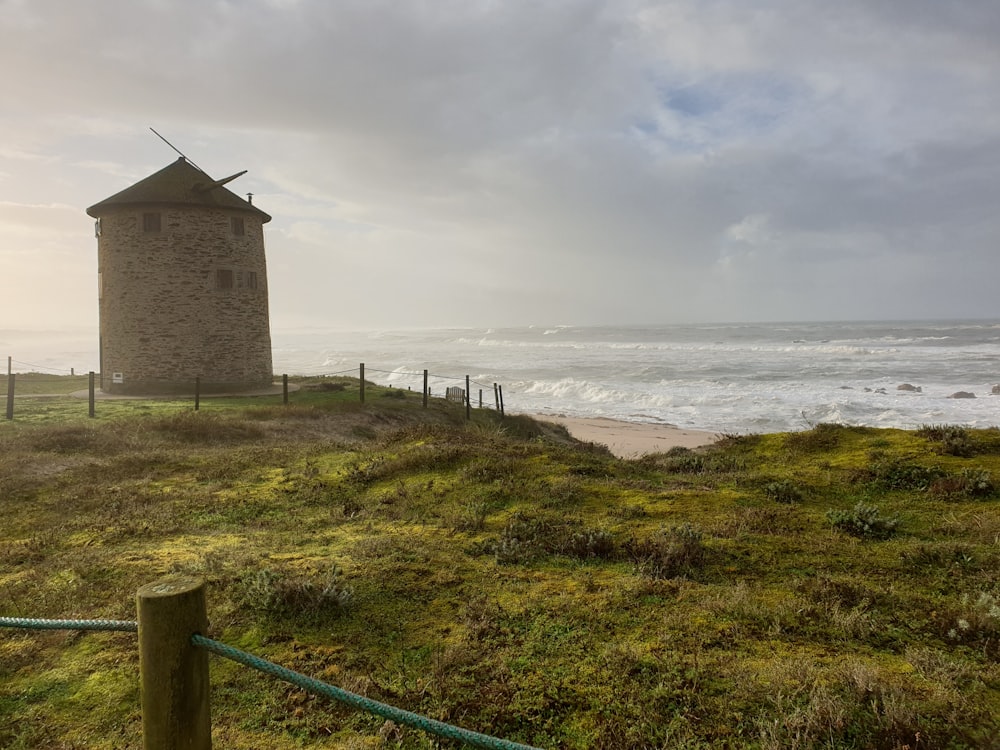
x=780, y=631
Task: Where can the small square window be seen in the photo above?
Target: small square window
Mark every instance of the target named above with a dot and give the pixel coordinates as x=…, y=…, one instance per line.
x=224, y=278
x=151, y=222
x=237, y=223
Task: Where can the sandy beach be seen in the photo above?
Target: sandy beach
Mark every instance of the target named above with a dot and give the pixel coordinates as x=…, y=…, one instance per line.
x=631, y=439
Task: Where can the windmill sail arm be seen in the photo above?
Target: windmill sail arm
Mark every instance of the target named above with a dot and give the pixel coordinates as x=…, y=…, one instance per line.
x=218, y=183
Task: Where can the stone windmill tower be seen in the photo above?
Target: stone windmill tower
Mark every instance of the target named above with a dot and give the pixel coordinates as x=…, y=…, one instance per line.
x=182, y=285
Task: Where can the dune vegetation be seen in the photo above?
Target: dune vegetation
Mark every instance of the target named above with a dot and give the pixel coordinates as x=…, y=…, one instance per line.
x=830, y=588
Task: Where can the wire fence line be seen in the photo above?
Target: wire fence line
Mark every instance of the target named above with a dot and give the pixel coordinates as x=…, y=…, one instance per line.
x=456, y=393
x=318, y=372
x=432, y=375
x=309, y=684
x=321, y=372
x=39, y=368
x=59, y=373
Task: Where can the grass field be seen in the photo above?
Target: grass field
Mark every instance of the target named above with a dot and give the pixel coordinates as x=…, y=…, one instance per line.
x=825, y=589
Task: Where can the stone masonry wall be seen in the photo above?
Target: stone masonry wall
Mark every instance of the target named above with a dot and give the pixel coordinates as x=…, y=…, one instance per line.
x=164, y=319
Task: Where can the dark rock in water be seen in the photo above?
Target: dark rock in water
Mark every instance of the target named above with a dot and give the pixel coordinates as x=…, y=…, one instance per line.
x=962, y=394
x=996, y=390
x=908, y=387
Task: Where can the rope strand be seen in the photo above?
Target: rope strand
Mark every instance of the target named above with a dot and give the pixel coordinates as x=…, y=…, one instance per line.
x=125, y=626
x=398, y=715
x=386, y=711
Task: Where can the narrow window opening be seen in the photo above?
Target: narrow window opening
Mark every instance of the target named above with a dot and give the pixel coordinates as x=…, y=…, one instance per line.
x=237, y=223
x=224, y=278
x=251, y=279
x=151, y=222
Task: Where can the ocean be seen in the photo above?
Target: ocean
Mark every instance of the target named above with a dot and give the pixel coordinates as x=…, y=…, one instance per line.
x=732, y=378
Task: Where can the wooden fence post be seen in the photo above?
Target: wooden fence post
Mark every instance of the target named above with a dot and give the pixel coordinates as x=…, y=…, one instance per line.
x=10, y=394
x=90, y=393
x=173, y=674
x=426, y=392
x=500, y=390
x=197, y=392
x=284, y=389
x=496, y=397
x=362, y=382
x=468, y=400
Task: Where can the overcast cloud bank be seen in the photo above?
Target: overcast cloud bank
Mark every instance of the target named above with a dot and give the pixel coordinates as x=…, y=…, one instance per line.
x=488, y=163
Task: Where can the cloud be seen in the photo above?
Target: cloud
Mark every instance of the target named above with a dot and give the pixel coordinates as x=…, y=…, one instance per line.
x=515, y=162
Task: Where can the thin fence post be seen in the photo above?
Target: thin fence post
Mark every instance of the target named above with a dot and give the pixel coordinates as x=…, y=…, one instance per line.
x=90, y=393
x=10, y=393
x=480, y=398
x=284, y=389
x=496, y=397
x=362, y=382
x=500, y=389
x=426, y=392
x=197, y=392
x=468, y=399
x=173, y=673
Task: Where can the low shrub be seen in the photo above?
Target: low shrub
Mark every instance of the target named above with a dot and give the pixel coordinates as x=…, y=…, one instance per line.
x=680, y=460
x=70, y=438
x=270, y=591
x=977, y=622
x=678, y=551
x=684, y=462
x=822, y=437
x=952, y=440
x=561, y=492
x=366, y=472
x=968, y=484
x=590, y=543
x=887, y=475
x=206, y=428
x=469, y=517
x=490, y=468
x=783, y=492
x=941, y=557
x=863, y=521
x=526, y=538
x=326, y=386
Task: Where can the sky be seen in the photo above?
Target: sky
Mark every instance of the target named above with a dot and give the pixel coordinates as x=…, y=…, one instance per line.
x=453, y=163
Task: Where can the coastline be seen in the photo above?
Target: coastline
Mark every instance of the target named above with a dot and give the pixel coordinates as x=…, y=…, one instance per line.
x=630, y=439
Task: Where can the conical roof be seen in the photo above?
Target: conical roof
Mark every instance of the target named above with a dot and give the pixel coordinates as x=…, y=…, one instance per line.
x=178, y=184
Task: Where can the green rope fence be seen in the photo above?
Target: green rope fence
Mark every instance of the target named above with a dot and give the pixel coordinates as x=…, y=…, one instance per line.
x=126, y=626
x=398, y=715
